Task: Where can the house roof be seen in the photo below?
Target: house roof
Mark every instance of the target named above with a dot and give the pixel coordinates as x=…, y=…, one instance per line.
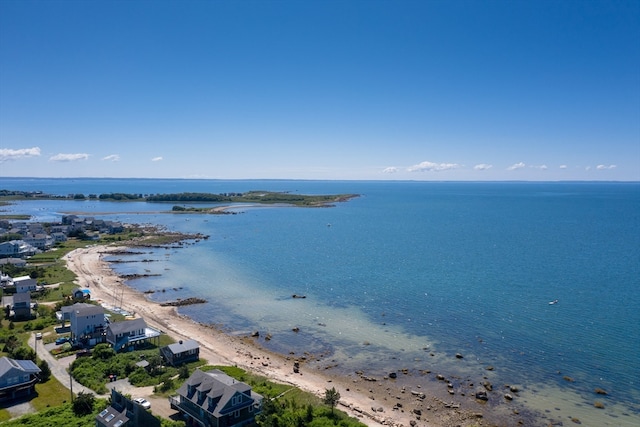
x=21, y=297
x=112, y=417
x=182, y=346
x=84, y=309
x=118, y=328
x=219, y=387
x=8, y=365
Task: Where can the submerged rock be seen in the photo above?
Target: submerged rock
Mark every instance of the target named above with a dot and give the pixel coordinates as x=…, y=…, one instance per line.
x=482, y=395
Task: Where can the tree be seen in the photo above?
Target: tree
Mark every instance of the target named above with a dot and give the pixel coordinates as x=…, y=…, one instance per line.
x=12, y=343
x=83, y=403
x=331, y=397
x=23, y=353
x=155, y=364
x=45, y=373
x=183, y=372
x=103, y=351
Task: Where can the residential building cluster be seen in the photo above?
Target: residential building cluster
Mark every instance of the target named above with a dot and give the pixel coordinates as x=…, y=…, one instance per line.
x=22, y=239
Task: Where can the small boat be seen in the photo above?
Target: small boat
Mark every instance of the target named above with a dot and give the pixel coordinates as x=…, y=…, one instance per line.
x=555, y=301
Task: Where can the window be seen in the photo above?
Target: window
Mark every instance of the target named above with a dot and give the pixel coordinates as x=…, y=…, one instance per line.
x=236, y=414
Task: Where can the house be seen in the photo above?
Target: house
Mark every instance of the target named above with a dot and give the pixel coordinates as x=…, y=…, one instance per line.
x=18, y=378
x=5, y=280
x=64, y=315
x=129, y=333
x=16, y=249
x=16, y=262
x=215, y=399
x=58, y=237
x=79, y=293
x=25, y=284
x=19, y=305
x=123, y=412
x=181, y=352
x=87, y=323
x=39, y=241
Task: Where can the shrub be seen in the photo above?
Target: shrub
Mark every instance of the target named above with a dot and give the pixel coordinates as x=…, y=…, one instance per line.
x=83, y=403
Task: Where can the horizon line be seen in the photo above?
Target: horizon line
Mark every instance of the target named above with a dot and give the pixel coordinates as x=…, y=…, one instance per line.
x=332, y=180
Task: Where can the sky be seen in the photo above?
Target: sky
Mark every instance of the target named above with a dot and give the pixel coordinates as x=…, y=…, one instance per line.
x=539, y=90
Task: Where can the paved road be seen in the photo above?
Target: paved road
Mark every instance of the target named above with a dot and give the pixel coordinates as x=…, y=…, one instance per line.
x=59, y=369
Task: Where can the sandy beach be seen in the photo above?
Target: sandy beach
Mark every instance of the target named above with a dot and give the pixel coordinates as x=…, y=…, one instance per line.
x=373, y=403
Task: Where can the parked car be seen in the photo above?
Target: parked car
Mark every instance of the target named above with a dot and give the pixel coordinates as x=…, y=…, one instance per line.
x=62, y=340
x=83, y=353
x=39, y=335
x=143, y=402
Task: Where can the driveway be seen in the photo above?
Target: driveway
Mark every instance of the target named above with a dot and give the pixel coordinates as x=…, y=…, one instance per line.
x=59, y=369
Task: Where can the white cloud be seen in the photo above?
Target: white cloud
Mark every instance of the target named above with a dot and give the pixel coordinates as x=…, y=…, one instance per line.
x=563, y=166
x=156, y=159
x=515, y=166
x=543, y=167
x=68, y=157
x=7, y=154
x=112, y=158
x=430, y=166
x=588, y=168
x=390, y=169
x=482, y=167
x=603, y=167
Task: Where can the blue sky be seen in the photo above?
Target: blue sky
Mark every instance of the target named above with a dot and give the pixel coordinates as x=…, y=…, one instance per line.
x=390, y=90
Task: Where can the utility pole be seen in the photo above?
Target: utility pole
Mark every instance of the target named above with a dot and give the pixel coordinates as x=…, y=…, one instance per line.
x=71, y=386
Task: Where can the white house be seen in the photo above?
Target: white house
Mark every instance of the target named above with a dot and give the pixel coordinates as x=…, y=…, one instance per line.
x=87, y=323
x=24, y=284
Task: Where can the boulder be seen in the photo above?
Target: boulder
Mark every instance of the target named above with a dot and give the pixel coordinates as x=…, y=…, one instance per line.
x=482, y=395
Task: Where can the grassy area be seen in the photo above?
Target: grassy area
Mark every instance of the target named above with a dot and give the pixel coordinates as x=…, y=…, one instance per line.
x=59, y=415
x=49, y=394
x=52, y=402
x=15, y=217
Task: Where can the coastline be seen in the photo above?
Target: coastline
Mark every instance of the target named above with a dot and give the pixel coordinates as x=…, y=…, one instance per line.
x=373, y=401
x=218, y=348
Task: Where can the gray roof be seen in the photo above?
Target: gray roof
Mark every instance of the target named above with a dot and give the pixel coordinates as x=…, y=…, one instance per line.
x=220, y=388
x=84, y=309
x=118, y=328
x=182, y=346
x=27, y=366
x=21, y=297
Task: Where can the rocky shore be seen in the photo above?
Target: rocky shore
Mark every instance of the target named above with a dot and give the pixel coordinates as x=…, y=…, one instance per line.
x=402, y=397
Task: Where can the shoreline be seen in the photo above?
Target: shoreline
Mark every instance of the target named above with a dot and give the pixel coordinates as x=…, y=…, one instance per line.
x=374, y=403
x=215, y=346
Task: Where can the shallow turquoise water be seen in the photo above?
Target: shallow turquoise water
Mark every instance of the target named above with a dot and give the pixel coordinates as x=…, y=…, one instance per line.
x=415, y=268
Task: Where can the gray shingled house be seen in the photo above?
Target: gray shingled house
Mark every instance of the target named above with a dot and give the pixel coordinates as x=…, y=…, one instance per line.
x=215, y=399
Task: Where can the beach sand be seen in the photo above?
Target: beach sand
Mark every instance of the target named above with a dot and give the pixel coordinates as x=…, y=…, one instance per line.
x=373, y=403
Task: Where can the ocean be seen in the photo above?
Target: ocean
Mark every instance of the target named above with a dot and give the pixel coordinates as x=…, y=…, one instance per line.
x=409, y=274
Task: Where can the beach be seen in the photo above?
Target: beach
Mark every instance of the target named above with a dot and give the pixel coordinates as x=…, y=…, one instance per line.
x=374, y=403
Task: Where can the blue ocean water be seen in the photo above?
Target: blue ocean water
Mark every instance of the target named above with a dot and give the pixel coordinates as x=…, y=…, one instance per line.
x=411, y=273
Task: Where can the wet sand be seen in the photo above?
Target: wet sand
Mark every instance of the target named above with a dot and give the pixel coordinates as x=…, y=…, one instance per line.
x=379, y=401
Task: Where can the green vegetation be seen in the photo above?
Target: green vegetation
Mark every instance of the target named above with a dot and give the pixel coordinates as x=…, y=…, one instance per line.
x=94, y=371
x=284, y=405
x=60, y=415
x=263, y=197
x=15, y=217
x=331, y=398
